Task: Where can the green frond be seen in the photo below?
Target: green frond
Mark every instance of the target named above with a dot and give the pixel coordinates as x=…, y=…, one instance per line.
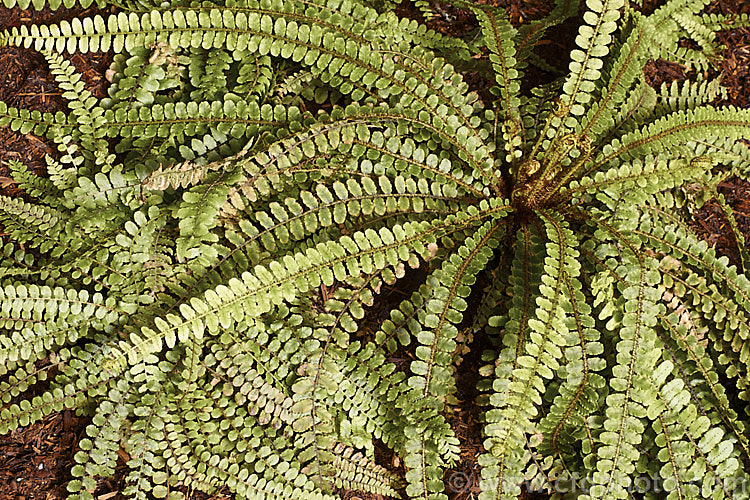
x=326, y=208
x=355, y=472
x=701, y=34
x=739, y=238
x=448, y=288
x=51, y=4
x=34, y=185
x=265, y=288
x=356, y=136
x=719, y=22
x=499, y=36
x=593, y=41
x=631, y=56
x=536, y=360
x=583, y=386
x=526, y=274
x=683, y=243
x=636, y=110
x=675, y=97
x=88, y=118
x=26, y=121
x=649, y=177
x=686, y=353
x=36, y=225
x=41, y=316
x=674, y=132
x=63, y=177
x=637, y=376
x=673, y=21
x=197, y=214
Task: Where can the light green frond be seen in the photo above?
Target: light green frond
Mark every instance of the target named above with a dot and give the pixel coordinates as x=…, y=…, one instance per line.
x=448, y=288
x=681, y=242
x=36, y=225
x=719, y=22
x=34, y=185
x=267, y=287
x=689, y=95
x=26, y=121
x=197, y=213
x=41, y=317
x=51, y=4
x=739, y=238
x=356, y=136
x=593, y=41
x=673, y=21
x=601, y=117
x=356, y=472
x=638, y=375
x=499, y=36
x=581, y=392
x=687, y=351
x=672, y=132
x=537, y=359
x=88, y=118
x=701, y=34
x=649, y=177
x=327, y=207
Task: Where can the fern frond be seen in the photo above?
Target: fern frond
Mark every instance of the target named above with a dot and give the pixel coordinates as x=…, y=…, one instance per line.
x=601, y=116
x=583, y=386
x=650, y=176
x=38, y=226
x=719, y=22
x=593, y=40
x=34, y=185
x=51, y=4
x=265, y=288
x=637, y=376
x=40, y=316
x=26, y=121
x=673, y=131
x=536, y=360
x=88, y=118
x=499, y=37
x=739, y=238
x=180, y=175
x=689, y=95
x=356, y=472
x=449, y=288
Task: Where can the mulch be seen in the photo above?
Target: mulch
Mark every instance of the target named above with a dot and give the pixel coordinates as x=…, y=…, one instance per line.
x=35, y=461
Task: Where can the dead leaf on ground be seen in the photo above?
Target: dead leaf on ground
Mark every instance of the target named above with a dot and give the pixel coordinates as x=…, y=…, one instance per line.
x=7, y=182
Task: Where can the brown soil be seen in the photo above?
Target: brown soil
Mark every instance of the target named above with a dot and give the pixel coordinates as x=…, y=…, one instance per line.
x=35, y=461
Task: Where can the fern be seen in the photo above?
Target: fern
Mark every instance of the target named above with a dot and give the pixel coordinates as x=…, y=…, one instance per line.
x=198, y=270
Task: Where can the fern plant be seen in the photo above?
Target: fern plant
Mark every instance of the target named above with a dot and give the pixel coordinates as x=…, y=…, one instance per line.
x=195, y=271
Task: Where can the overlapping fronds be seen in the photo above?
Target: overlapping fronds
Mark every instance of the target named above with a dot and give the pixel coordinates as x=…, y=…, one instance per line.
x=270, y=252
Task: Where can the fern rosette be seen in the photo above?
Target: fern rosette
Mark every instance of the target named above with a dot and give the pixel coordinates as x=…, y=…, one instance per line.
x=196, y=271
